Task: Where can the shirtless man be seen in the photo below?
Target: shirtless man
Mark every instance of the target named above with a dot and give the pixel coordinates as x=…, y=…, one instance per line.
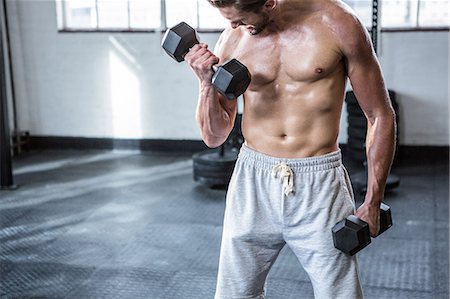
x=289, y=185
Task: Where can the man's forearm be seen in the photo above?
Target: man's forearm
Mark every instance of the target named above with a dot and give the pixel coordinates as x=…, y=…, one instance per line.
x=380, y=148
x=214, y=121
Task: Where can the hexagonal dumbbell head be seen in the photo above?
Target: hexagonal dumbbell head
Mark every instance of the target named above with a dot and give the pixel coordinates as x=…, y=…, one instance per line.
x=178, y=40
x=231, y=79
x=385, y=218
x=351, y=235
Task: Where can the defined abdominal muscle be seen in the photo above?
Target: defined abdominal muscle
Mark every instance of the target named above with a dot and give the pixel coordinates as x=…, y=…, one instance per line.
x=296, y=142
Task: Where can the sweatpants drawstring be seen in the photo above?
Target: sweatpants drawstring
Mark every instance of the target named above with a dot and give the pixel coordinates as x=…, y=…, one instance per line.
x=286, y=175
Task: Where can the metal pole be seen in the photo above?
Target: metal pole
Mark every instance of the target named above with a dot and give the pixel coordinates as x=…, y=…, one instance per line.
x=11, y=72
x=198, y=14
x=163, y=16
x=418, y=14
x=129, y=15
x=6, y=178
x=375, y=24
x=97, y=15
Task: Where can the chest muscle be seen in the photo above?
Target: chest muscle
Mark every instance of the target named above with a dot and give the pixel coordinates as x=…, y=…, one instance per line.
x=288, y=59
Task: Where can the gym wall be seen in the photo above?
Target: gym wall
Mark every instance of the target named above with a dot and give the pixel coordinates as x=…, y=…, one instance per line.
x=122, y=85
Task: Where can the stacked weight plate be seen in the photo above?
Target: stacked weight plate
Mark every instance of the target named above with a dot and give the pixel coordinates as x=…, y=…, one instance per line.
x=214, y=168
x=357, y=127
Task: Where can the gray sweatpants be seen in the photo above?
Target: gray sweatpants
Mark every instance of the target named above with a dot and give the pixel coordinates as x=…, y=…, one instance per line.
x=272, y=202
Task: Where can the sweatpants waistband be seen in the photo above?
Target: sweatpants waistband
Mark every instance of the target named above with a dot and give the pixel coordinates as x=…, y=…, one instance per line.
x=308, y=164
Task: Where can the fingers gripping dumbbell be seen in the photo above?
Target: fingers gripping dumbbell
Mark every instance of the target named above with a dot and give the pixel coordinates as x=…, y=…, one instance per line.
x=230, y=79
x=351, y=234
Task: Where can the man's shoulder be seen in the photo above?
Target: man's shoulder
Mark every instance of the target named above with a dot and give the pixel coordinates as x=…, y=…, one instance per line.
x=333, y=16
x=339, y=14
x=348, y=30
x=344, y=23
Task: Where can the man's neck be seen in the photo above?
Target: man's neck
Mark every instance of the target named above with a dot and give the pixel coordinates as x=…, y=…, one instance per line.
x=288, y=10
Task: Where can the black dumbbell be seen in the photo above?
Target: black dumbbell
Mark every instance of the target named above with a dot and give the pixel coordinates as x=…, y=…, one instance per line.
x=230, y=79
x=352, y=234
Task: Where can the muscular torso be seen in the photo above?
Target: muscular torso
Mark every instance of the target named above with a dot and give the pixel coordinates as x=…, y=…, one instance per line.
x=292, y=107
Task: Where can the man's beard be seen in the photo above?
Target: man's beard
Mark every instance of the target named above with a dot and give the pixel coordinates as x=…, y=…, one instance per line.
x=260, y=26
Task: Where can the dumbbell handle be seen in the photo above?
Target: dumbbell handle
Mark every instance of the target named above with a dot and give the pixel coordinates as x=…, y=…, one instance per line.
x=214, y=67
x=385, y=223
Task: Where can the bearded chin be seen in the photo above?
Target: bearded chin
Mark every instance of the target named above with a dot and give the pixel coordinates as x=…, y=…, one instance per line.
x=260, y=27
x=256, y=30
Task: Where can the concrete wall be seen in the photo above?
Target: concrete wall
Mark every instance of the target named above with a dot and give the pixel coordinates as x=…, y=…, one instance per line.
x=122, y=85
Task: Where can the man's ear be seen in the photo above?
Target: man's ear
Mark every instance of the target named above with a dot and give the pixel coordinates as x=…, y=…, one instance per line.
x=270, y=4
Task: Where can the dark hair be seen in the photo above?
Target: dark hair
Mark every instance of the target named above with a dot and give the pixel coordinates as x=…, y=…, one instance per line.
x=242, y=5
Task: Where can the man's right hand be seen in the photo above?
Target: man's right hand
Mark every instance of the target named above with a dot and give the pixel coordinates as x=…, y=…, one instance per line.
x=201, y=60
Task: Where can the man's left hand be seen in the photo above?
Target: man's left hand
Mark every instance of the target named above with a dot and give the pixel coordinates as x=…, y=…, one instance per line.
x=370, y=214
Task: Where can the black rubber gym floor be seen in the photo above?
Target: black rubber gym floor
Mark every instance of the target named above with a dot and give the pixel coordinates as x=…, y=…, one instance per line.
x=101, y=224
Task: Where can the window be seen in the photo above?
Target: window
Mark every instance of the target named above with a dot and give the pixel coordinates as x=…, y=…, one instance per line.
x=405, y=13
x=136, y=15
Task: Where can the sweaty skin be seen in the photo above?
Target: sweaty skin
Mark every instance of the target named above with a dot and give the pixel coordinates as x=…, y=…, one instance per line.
x=300, y=54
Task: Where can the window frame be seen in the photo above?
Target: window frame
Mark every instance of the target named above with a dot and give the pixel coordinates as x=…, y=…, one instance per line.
x=63, y=28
